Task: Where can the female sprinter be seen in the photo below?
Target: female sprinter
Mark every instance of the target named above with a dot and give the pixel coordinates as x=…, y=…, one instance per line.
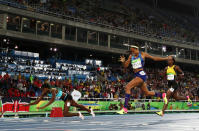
x=170, y=72
x=67, y=98
x=136, y=58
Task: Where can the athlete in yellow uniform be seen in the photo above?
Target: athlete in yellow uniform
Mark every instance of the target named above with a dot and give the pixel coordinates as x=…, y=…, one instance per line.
x=170, y=73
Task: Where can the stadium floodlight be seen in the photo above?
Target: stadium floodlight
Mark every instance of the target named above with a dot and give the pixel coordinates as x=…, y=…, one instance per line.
x=55, y=49
x=164, y=49
x=4, y=40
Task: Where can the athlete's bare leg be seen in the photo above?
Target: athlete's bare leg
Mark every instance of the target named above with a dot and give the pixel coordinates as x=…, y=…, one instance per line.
x=66, y=112
x=73, y=103
x=133, y=83
x=137, y=81
x=67, y=105
x=146, y=91
x=168, y=95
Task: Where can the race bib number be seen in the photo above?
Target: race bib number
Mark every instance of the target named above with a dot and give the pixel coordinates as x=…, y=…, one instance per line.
x=170, y=77
x=171, y=89
x=136, y=63
x=68, y=104
x=76, y=95
x=142, y=73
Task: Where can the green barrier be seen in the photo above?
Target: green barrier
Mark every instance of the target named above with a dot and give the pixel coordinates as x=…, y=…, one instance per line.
x=49, y=108
x=104, y=105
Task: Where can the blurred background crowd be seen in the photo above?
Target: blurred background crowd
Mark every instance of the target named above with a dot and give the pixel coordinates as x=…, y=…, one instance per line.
x=123, y=14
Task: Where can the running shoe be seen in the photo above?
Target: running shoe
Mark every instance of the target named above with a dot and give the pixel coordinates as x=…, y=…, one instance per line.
x=92, y=113
x=189, y=103
x=81, y=116
x=164, y=96
x=160, y=113
x=123, y=111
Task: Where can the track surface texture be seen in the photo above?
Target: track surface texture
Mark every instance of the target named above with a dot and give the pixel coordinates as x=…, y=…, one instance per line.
x=136, y=122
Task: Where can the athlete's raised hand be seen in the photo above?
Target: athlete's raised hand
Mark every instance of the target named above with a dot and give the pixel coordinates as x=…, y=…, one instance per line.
x=122, y=59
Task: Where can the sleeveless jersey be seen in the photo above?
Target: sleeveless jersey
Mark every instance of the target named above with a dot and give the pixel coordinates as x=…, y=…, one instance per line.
x=171, y=73
x=138, y=62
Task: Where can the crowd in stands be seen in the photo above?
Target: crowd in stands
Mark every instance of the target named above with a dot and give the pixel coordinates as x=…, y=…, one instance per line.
x=121, y=14
x=155, y=81
x=109, y=83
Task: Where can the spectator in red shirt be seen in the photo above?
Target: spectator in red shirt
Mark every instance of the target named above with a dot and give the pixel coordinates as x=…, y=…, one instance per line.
x=52, y=83
x=37, y=86
x=17, y=93
x=30, y=94
x=57, y=84
x=6, y=76
x=11, y=92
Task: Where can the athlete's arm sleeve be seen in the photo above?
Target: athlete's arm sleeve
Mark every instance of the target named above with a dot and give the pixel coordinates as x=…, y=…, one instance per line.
x=51, y=100
x=146, y=55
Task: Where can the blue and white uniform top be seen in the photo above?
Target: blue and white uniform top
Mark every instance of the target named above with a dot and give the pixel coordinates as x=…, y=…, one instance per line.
x=138, y=62
x=58, y=95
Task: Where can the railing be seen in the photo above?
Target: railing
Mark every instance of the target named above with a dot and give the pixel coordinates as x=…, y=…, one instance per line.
x=119, y=99
x=129, y=29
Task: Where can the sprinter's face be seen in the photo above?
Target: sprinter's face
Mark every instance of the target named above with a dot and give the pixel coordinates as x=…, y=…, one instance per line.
x=134, y=51
x=170, y=61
